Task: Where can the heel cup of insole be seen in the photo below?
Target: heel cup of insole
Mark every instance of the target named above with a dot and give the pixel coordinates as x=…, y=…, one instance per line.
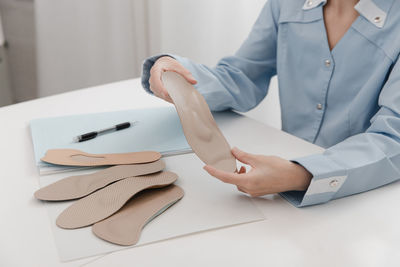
x=125, y=226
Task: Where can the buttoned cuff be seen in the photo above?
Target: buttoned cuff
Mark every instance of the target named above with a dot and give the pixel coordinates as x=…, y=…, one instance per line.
x=328, y=178
x=147, y=65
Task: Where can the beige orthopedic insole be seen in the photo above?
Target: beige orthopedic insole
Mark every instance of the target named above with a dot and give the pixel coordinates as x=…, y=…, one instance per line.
x=105, y=202
x=82, y=185
x=124, y=227
x=74, y=157
x=199, y=127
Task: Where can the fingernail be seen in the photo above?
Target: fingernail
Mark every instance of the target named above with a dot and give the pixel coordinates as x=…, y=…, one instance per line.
x=208, y=168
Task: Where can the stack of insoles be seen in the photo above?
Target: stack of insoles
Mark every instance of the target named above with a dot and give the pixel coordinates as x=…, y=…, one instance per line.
x=118, y=201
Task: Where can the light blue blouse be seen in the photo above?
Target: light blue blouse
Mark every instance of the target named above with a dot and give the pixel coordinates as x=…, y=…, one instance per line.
x=346, y=99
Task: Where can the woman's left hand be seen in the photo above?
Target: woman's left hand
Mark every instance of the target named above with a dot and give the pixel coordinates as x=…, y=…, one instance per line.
x=268, y=175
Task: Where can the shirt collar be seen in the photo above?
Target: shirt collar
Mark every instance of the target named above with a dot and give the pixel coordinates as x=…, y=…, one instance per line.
x=310, y=4
x=367, y=8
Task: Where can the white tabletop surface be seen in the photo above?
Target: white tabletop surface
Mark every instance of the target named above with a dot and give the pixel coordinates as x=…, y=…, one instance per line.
x=360, y=230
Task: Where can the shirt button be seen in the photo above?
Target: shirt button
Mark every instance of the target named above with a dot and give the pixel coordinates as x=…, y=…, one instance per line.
x=319, y=106
x=334, y=183
x=309, y=3
x=377, y=19
x=327, y=63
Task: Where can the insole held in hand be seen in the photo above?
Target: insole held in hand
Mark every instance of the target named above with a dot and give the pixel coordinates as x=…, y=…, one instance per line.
x=82, y=185
x=105, y=202
x=199, y=127
x=74, y=157
x=125, y=226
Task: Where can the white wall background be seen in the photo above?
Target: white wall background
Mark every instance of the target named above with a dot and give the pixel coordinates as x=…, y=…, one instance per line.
x=6, y=97
x=5, y=88
x=2, y=40
x=19, y=33
x=207, y=30
x=85, y=43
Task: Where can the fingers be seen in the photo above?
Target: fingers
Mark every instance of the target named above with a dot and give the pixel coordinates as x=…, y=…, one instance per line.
x=164, y=97
x=182, y=71
x=162, y=65
x=169, y=99
x=171, y=64
x=241, y=189
x=244, y=157
x=249, y=192
x=226, y=177
x=155, y=81
x=187, y=75
x=157, y=87
x=240, y=179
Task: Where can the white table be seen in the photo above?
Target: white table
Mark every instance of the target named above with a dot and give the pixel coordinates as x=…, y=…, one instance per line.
x=361, y=230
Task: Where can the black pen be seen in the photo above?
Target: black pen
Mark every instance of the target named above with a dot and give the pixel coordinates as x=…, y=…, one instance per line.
x=91, y=135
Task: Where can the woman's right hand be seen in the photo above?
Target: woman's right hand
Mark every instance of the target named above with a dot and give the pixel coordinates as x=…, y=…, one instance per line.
x=164, y=64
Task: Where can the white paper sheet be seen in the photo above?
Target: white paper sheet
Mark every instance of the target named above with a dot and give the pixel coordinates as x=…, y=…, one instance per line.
x=207, y=204
x=157, y=129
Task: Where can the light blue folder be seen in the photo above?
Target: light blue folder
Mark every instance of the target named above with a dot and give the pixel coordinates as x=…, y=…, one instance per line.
x=157, y=129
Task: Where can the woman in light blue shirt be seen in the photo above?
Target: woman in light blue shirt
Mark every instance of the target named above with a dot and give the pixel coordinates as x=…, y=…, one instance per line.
x=338, y=68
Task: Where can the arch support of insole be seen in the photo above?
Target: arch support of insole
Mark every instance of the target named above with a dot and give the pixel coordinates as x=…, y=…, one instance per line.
x=82, y=185
x=74, y=157
x=124, y=227
x=199, y=127
x=105, y=202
